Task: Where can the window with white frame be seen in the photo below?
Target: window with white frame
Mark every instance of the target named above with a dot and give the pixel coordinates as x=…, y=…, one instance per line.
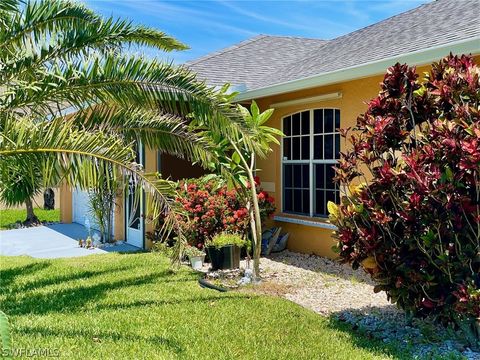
x=310, y=150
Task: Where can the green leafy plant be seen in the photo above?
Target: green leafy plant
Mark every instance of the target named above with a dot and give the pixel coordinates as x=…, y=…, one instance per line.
x=236, y=161
x=5, y=337
x=102, y=202
x=225, y=239
x=192, y=251
x=415, y=225
x=161, y=247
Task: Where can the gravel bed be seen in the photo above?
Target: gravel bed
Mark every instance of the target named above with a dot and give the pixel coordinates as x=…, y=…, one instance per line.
x=335, y=290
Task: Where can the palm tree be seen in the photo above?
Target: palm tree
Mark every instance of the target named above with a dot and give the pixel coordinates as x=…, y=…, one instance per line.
x=67, y=81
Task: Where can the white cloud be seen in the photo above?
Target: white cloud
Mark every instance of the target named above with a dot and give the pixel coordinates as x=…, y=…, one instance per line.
x=315, y=26
x=168, y=12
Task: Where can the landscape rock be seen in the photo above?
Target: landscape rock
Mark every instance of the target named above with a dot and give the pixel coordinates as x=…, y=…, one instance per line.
x=336, y=290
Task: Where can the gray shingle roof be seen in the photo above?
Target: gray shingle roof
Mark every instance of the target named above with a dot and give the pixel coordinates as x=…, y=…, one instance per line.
x=245, y=63
x=266, y=60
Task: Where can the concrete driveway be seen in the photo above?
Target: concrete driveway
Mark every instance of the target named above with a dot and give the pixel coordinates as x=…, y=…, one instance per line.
x=51, y=241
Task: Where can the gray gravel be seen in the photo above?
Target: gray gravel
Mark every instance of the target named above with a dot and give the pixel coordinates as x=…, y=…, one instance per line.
x=333, y=289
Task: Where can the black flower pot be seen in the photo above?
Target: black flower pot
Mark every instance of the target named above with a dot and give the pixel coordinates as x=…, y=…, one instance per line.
x=226, y=257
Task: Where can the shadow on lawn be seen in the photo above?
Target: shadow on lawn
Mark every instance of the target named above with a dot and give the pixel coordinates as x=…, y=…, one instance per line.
x=23, y=298
x=8, y=276
x=84, y=296
x=83, y=274
x=70, y=299
x=99, y=336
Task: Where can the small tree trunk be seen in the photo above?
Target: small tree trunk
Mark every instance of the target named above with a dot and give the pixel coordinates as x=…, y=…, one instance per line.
x=252, y=225
x=257, y=225
x=109, y=220
x=257, y=221
x=31, y=217
x=258, y=233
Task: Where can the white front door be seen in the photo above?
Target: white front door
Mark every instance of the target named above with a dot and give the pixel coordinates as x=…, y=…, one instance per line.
x=134, y=217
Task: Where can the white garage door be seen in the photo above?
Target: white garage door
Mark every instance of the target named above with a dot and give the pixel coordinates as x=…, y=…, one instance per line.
x=81, y=208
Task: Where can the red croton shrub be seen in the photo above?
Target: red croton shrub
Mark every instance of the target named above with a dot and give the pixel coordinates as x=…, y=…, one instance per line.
x=213, y=208
x=412, y=177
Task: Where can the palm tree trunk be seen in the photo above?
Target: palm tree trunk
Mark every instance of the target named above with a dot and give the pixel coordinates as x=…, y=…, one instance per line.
x=31, y=217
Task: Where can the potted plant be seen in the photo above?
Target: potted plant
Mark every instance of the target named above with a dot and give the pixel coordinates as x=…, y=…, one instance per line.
x=196, y=257
x=224, y=251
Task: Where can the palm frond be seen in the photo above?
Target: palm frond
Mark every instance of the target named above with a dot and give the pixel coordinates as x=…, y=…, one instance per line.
x=41, y=34
x=61, y=19
x=8, y=9
x=128, y=81
x=77, y=156
x=11, y=6
x=38, y=18
x=162, y=131
x=19, y=181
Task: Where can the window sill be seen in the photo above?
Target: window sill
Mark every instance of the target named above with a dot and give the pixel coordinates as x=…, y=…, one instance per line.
x=306, y=222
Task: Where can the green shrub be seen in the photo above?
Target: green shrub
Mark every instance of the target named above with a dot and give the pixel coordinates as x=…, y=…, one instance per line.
x=224, y=239
x=162, y=248
x=192, y=251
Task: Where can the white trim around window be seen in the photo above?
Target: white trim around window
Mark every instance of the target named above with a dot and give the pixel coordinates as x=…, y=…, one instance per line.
x=313, y=223
x=310, y=149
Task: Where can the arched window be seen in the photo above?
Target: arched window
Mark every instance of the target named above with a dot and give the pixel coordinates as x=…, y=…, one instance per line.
x=310, y=150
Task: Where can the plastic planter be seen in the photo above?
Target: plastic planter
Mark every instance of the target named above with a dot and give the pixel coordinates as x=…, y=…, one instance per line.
x=226, y=257
x=197, y=262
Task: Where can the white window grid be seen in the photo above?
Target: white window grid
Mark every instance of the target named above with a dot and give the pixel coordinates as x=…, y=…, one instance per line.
x=311, y=161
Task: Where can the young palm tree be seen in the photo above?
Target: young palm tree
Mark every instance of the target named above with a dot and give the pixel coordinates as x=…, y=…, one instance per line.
x=61, y=62
x=236, y=162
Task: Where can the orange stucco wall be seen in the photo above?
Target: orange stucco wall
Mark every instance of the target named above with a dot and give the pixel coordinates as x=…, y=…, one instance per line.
x=119, y=218
x=303, y=238
x=66, y=204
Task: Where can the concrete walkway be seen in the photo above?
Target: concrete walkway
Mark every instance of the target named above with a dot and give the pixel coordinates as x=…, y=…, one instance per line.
x=51, y=241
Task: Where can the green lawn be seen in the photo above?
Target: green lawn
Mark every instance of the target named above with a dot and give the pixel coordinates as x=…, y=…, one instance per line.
x=132, y=307
x=9, y=217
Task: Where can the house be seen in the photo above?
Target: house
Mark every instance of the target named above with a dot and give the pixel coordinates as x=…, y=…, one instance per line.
x=315, y=87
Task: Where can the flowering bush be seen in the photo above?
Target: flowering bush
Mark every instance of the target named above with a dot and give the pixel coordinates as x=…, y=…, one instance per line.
x=265, y=201
x=415, y=227
x=213, y=209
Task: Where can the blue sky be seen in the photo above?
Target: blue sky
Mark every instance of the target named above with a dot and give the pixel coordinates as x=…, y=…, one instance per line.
x=207, y=26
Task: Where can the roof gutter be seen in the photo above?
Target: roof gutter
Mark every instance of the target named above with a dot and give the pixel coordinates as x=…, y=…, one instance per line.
x=421, y=57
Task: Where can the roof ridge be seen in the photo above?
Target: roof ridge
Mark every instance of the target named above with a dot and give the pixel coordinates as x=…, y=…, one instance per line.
x=386, y=19
x=227, y=49
x=294, y=37
x=329, y=42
